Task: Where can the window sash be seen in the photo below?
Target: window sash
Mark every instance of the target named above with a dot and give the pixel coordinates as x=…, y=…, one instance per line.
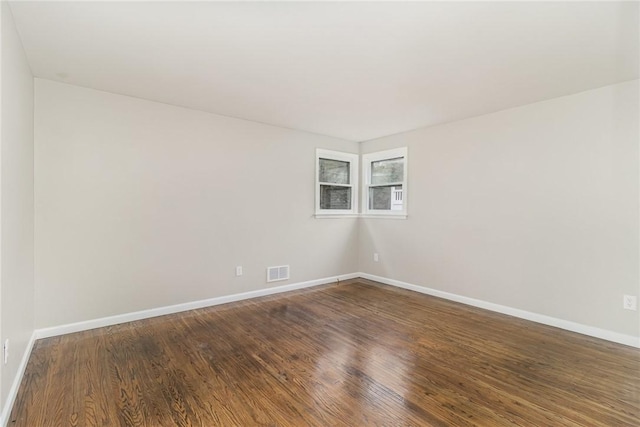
x=397, y=208
x=351, y=187
x=330, y=197
x=391, y=184
x=340, y=170
x=333, y=184
x=391, y=166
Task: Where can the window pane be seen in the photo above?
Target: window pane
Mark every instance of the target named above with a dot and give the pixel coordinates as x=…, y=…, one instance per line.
x=387, y=171
x=334, y=171
x=388, y=198
x=332, y=197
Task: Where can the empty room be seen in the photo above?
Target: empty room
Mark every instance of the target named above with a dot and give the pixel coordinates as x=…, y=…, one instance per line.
x=319, y=213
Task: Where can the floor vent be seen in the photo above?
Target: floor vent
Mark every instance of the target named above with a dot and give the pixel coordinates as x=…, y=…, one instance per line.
x=280, y=272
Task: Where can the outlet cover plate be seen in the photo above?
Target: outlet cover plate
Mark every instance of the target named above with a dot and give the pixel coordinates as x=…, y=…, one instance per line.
x=630, y=302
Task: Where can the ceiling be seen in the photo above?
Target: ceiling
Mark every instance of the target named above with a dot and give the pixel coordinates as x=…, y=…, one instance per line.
x=353, y=70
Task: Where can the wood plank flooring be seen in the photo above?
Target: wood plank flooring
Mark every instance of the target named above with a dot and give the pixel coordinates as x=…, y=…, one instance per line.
x=350, y=354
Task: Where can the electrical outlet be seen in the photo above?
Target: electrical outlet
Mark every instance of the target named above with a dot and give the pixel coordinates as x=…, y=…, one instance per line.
x=630, y=302
x=5, y=351
x=376, y=258
x=239, y=270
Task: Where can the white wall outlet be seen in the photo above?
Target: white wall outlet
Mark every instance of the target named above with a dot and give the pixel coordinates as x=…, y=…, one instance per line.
x=5, y=351
x=376, y=257
x=239, y=270
x=630, y=302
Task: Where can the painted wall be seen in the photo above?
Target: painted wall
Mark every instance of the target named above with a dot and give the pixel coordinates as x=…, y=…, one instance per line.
x=16, y=190
x=535, y=208
x=142, y=205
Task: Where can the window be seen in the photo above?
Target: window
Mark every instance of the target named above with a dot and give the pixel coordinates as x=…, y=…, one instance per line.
x=385, y=183
x=336, y=183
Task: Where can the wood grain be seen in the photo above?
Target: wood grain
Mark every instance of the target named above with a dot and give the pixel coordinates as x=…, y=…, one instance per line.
x=356, y=353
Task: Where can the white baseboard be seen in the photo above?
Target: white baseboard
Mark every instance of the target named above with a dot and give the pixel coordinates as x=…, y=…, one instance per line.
x=591, y=331
x=161, y=311
x=13, y=391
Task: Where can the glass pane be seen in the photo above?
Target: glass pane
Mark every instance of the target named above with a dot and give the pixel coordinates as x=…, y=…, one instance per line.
x=387, y=171
x=332, y=197
x=334, y=171
x=388, y=198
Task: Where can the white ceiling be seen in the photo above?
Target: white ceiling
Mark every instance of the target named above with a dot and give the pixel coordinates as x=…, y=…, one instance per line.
x=353, y=70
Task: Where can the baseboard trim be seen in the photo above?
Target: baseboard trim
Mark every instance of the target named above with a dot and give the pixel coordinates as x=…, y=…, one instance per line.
x=177, y=308
x=13, y=391
x=591, y=331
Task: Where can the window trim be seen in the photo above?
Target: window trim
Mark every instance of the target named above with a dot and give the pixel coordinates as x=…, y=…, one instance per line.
x=353, y=160
x=369, y=158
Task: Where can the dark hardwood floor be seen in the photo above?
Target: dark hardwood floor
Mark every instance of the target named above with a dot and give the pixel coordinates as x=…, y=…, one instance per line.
x=350, y=354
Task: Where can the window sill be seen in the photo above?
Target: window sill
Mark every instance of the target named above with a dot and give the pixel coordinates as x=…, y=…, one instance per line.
x=366, y=216
x=385, y=216
x=335, y=216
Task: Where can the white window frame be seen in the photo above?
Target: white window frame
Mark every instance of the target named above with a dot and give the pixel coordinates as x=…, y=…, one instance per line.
x=353, y=160
x=367, y=159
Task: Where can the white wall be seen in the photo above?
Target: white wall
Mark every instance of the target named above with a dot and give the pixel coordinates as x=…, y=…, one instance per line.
x=16, y=190
x=142, y=205
x=535, y=208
